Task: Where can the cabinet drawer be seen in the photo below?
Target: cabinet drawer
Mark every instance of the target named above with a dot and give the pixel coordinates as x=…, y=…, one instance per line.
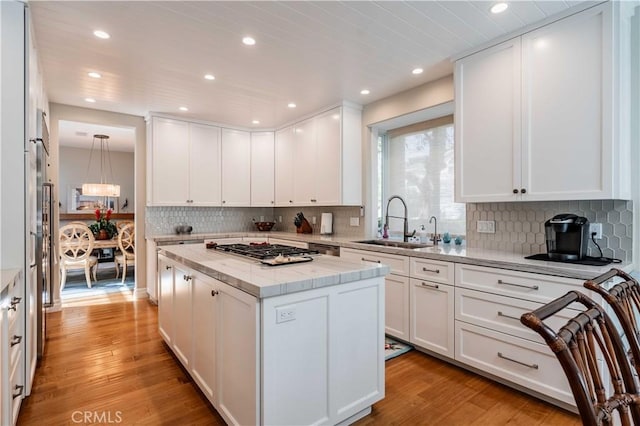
x=524, y=285
x=502, y=313
x=520, y=361
x=432, y=270
x=16, y=389
x=398, y=264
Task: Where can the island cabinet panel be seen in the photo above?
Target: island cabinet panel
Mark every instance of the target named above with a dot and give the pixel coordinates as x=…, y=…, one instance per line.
x=203, y=363
x=432, y=316
x=165, y=298
x=182, y=320
x=328, y=345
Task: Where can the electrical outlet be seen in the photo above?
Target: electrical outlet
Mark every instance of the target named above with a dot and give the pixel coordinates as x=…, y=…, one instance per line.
x=597, y=228
x=285, y=313
x=486, y=226
x=261, y=218
x=313, y=220
x=354, y=221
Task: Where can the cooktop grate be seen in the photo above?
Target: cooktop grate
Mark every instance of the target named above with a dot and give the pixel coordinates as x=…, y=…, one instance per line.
x=264, y=251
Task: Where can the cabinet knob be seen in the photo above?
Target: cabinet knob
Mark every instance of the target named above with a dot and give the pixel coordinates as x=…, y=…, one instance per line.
x=515, y=191
x=271, y=201
x=16, y=340
x=291, y=201
x=18, y=391
x=167, y=267
x=214, y=292
x=523, y=191
x=223, y=201
x=187, y=277
x=313, y=200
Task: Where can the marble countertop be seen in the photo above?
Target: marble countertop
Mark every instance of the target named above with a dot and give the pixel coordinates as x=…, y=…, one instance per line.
x=262, y=280
x=442, y=252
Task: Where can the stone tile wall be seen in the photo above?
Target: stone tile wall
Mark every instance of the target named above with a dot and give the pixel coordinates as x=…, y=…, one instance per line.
x=520, y=226
x=163, y=220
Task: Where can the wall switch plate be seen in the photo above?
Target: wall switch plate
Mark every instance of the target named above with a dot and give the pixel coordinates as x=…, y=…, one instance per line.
x=261, y=218
x=597, y=228
x=285, y=313
x=354, y=221
x=279, y=219
x=486, y=226
x=313, y=220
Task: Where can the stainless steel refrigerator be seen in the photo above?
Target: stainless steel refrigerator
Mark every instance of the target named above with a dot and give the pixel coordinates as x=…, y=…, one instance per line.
x=44, y=242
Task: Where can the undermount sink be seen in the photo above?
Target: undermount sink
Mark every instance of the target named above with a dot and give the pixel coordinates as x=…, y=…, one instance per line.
x=398, y=244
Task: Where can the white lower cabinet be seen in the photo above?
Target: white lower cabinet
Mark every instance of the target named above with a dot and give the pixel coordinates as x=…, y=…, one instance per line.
x=396, y=306
x=523, y=362
x=12, y=346
x=213, y=330
x=432, y=316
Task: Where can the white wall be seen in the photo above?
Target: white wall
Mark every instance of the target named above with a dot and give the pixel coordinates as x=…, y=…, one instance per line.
x=425, y=96
x=73, y=171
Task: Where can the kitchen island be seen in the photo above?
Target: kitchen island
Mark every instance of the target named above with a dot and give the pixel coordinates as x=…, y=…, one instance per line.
x=290, y=344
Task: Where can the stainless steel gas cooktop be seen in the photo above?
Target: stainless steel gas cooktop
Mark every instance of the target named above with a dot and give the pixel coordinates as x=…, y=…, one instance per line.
x=264, y=251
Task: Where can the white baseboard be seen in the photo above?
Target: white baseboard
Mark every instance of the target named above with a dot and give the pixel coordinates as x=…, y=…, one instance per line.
x=140, y=293
x=56, y=307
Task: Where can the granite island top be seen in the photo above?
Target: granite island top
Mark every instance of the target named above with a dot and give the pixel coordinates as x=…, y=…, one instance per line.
x=442, y=252
x=264, y=281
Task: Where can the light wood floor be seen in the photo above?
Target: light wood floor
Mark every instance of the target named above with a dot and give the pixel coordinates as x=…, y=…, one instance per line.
x=109, y=359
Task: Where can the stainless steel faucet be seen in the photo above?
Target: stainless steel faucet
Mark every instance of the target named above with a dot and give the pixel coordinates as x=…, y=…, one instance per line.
x=406, y=233
x=435, y=238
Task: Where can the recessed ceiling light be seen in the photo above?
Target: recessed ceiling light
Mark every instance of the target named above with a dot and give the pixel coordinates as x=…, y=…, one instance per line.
x=417, y=71
x=291, y=105
x=183, y=109
x=209, y=77
x=94, y=75
x=336, y=116
x=256, y=122
x=90, y=100
x=499, y=7
x=101, y=34
x=249, y=41
x=365, y=92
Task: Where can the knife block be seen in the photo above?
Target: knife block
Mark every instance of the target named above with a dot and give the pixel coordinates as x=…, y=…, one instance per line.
x=304, y=228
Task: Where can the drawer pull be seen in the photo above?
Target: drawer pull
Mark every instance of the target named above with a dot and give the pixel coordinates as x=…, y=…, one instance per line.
x=19, y=389
x=436, y=271
x=16, y=340
x=430, y=285
x=534, y=366
x=364, y=259
x=532, y=287
x=214, y=293
x=500, y=314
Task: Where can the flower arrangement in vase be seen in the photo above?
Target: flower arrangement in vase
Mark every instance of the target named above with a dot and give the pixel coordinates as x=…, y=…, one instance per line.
x=103, y=229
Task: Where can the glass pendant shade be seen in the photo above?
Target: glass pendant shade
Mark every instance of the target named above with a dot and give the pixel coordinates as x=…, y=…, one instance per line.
x=102, y=189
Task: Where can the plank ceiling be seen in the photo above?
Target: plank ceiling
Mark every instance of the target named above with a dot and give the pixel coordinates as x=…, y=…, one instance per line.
x=314, y=53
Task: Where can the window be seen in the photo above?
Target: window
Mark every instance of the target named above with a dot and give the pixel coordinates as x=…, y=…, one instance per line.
x=417, y=163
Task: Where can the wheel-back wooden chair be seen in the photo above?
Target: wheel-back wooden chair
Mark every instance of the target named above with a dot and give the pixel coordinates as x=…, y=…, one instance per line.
x=121, y=224
x=579, y=345
x=76, y=245
x=126, y=244
x=624, y=298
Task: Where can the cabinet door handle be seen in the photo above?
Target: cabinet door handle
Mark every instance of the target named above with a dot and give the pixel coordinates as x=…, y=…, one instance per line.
x=19, y=389
x=167, y=267
x=534, y=366
x=430, y=285
x=223, y=201
x=532, y=287
x=500, y=314
x=16, y=340
x=515, y=191
x=437, y=271
x=187, y=277
x=271, y=201
x=15, y=300
x=523, y=191
x=214, y=293
x=364, y=259
x=291, y=201
x=313, y=200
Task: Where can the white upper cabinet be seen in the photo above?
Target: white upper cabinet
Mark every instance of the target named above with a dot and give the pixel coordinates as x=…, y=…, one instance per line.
x=318, y=161
x=236, y=168
x=284, y=162
x=184, y=163
x=539, y=117
x=262, y=169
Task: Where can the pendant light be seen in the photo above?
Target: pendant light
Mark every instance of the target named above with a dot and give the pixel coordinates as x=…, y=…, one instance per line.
x=102, y=189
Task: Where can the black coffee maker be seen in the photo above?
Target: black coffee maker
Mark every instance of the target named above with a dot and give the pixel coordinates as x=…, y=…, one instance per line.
x=567, y=237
